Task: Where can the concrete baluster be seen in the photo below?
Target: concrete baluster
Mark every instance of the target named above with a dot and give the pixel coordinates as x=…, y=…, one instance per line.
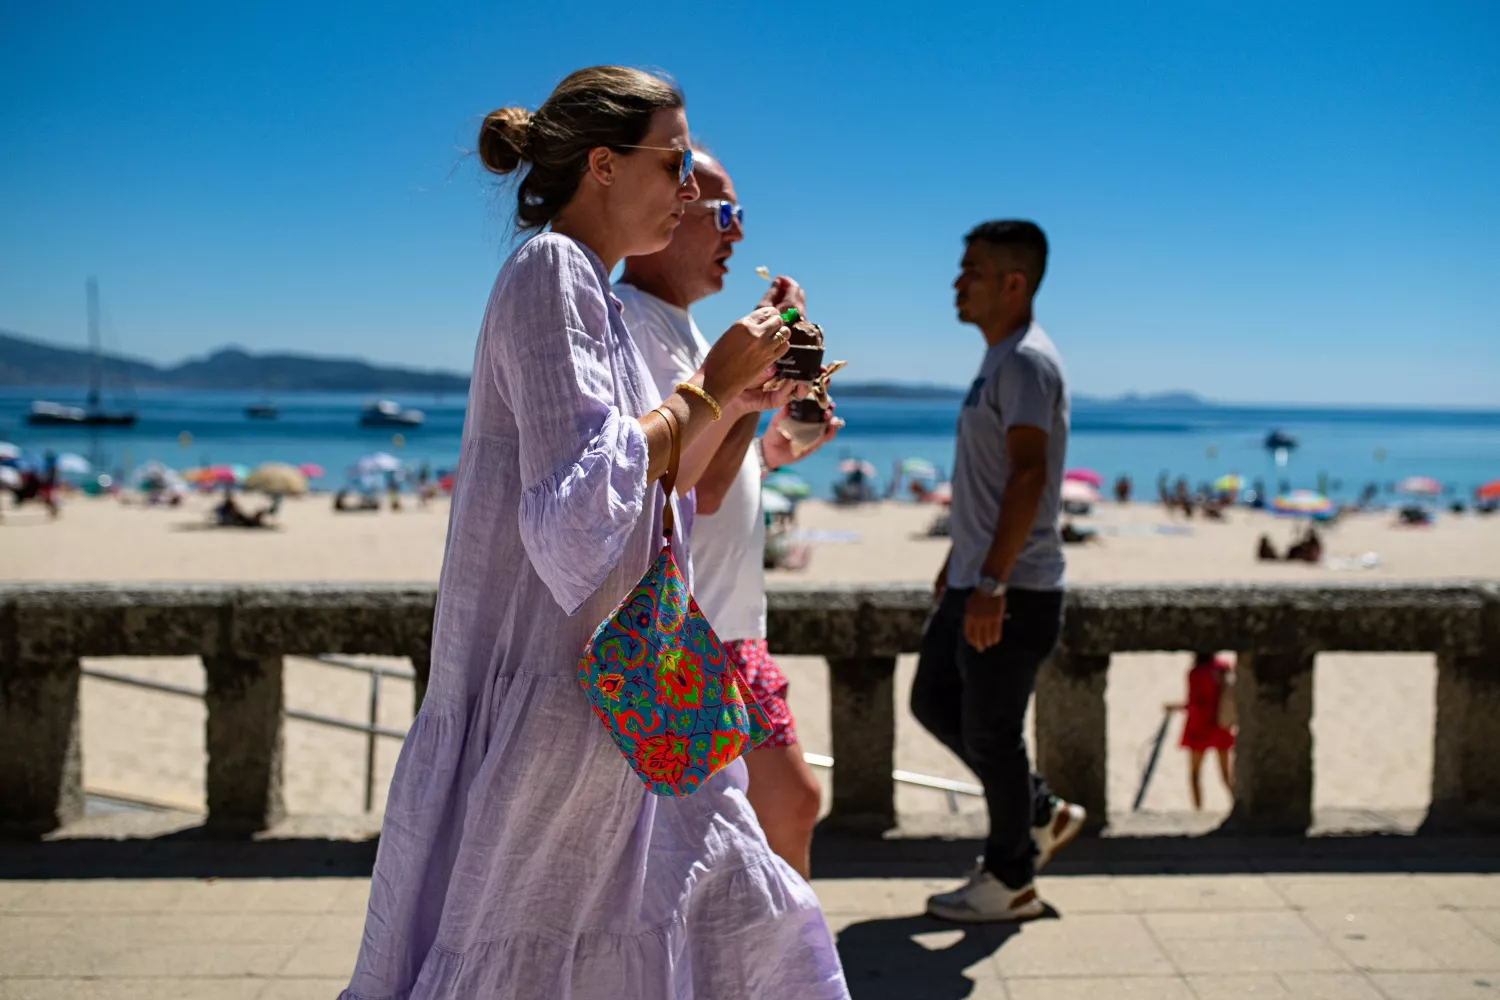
x=245, y=741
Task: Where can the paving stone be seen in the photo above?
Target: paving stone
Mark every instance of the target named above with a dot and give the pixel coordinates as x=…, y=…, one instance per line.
x=14, y=891
x=1255, y=925
x=267, y=895
x=1393, y=941
x=1437, y=985
x=1464, y=891
x=327, y=954
x=1488, y=921
x=303, y=989
x=76, y=896
x=1222, y=956
x=132, y=989
x=167, y=959
x=24, y=930
x=879, y=897
x=1086, y=945
x=1077, y=894
x=1238, y=987
x=1328, y=986
x=1164, y=893
x=1092, y=988
x=1355, y=892
x=1268, y=937
x=127, y=930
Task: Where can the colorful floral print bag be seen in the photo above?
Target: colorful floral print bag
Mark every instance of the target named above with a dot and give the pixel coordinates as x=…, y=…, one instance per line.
x=660, y=681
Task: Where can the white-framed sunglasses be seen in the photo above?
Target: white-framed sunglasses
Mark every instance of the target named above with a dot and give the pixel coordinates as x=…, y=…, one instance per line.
x=726, y=213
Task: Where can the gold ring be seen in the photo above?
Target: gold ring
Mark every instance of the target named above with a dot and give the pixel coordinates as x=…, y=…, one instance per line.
x=781, y=336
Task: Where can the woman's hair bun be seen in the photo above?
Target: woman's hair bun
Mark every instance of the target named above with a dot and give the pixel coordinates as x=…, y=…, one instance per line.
x=503, y=139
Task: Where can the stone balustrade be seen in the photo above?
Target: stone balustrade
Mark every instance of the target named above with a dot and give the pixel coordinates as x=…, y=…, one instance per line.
x=243, y=632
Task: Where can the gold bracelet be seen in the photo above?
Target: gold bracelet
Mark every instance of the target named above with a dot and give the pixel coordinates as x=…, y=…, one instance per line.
x=713, y=404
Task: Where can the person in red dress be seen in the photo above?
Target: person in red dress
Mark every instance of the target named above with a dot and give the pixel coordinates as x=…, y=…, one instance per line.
x=1207, y=727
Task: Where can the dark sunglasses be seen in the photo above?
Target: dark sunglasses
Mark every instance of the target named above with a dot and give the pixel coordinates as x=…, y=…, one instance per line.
x=726, y=213
x=684, y=165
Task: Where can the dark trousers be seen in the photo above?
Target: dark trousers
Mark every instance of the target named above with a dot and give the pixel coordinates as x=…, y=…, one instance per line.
x=976, y=704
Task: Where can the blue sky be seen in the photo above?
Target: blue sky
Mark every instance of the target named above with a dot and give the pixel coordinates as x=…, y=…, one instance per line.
x=1264, y=202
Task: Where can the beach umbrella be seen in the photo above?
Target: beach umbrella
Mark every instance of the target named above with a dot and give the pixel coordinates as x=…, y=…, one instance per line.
x=919, y=468
x=312, y=470
x=1085, y=476
x=378, y=463
x=775, y=503
x=1302, y=503
x=1420, y=486
x=277, y=478
x=154, y=476
x=9, y=452
x=1078, y=491
x=1489, y=491
x=69, y=464
x=788, y=484
x=1231, y=483
x=853, y=466
x=216, y=475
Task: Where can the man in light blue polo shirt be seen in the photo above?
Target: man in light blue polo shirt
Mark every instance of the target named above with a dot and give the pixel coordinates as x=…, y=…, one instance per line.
x=1000, y=593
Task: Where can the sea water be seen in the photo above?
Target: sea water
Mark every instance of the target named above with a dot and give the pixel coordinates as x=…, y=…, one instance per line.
x=1340, y=449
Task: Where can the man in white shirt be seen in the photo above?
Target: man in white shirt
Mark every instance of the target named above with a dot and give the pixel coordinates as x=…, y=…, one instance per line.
x=725, y=465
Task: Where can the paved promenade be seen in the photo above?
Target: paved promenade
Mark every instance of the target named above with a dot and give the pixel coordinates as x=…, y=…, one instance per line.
x=1124, y=924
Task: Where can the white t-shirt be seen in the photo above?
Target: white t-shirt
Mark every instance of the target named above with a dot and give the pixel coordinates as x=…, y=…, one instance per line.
x=729, y=579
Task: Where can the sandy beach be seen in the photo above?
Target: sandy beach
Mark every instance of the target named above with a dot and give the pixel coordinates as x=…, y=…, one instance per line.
x=1372, y=717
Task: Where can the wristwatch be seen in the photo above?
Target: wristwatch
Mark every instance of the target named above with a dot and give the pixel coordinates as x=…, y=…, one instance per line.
x=990, y=587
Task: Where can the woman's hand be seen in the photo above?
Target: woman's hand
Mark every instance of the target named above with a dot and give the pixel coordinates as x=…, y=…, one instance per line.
x=777, y=447
x=743, y=356
x=773, y=395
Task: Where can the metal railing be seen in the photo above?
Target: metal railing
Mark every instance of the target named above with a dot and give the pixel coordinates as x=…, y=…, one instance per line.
x=372, y=728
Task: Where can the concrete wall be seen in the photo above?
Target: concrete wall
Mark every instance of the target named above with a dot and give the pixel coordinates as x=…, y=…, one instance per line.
x=242, y=633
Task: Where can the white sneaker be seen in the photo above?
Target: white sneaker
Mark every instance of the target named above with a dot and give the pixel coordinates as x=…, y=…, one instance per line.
x=985, y=899
x=1067, y=824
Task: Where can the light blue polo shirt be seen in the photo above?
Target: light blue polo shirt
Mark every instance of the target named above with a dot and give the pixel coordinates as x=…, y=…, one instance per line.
x=1021, y=383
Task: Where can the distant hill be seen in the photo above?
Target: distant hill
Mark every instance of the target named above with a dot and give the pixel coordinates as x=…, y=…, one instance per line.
x=906, y=390
x=1158, y=400
x=30, y=362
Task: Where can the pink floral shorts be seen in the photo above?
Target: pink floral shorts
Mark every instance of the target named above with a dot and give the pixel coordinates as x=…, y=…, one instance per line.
x=768, y=684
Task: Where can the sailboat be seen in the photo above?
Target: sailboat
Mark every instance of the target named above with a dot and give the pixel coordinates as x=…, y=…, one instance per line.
x=50, y=414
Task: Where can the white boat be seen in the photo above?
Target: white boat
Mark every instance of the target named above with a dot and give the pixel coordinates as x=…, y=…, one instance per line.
x=45, y=413
x=387, y=413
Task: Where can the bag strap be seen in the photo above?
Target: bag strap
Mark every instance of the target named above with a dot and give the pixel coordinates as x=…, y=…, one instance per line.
x=669, y=481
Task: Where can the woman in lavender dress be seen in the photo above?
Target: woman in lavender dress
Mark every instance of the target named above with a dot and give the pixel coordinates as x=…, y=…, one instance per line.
x=521, y=857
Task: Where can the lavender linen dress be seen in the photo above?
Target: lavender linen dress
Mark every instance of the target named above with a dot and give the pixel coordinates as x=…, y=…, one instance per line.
x=521, y=857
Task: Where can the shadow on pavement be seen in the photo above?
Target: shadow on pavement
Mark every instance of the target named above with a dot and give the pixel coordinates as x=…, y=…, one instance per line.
x=887, y=958
x=309, y=850
x=189, y=853
x=839, y=855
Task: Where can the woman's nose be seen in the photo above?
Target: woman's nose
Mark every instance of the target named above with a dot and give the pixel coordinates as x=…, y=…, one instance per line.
x=689, y=191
